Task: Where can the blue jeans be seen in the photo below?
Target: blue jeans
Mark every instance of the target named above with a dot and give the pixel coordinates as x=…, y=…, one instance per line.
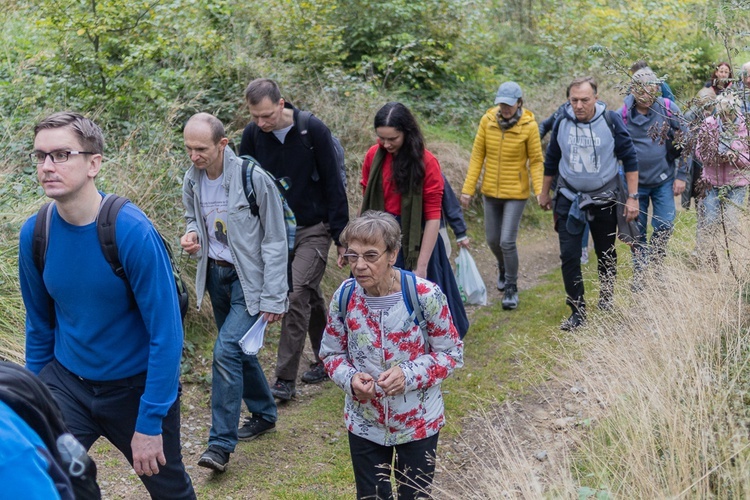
x=235, y=375
x=661, y=199
x=734, y=199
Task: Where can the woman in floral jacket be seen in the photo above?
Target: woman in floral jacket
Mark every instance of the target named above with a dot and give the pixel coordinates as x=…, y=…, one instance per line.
x=389, y=369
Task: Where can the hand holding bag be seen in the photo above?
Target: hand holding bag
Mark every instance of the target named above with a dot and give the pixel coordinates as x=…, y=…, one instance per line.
x=469, y=281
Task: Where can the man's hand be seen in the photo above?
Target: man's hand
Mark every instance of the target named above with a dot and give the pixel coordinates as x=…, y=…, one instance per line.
x=464, y=243
x=632, y=207
x=272, y=317
x=392, y=381
x=544, y=201
x=340, y=258
x=678, y=187
x=465, y=200
x=148, y=453
x=189, y=242
x=420, y=270
x=363, y=386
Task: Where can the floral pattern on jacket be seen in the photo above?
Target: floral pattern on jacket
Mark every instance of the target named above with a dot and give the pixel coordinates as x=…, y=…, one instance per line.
x=373, y=342
x=718, y=171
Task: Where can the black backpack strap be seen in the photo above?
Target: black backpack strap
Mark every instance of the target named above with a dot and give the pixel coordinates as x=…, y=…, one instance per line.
x=249, y=193
x=39, y=245
x=608, y=118
x=41, y=236
x=302, y=122
x=106, y=223
x=303, y=125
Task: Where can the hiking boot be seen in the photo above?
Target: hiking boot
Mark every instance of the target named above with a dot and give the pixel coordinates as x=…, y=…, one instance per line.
x=283, y=389
x=214, y=458
x=510, y=299
x=501, y=279
x=317, y=373
x=254, y=427
x=576, y=320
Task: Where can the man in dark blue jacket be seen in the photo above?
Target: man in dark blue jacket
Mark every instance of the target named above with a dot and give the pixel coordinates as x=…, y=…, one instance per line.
x=650, y=121
x=454, y=217
x=318, y=198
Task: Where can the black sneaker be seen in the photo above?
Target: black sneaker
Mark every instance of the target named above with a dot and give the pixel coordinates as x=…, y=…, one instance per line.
x=283, y=389
x=576, y=320
x=510, y=299
x=214, y=458
x=254, y=427
x=501, y=279
x=317, y=373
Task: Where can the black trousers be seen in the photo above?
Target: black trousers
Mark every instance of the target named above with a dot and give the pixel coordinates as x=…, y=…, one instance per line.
x=414, y=468
x=108, y=409
x=603, y=227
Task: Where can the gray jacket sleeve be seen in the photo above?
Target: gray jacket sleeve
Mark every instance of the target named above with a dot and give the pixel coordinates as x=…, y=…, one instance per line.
x=273, y=247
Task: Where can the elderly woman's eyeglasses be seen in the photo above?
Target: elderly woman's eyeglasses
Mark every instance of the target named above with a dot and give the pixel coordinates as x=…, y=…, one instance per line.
x=371, y=256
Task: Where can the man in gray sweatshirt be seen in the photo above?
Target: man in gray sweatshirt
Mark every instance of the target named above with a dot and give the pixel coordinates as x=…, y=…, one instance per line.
x=652, y=123
x=584, y=148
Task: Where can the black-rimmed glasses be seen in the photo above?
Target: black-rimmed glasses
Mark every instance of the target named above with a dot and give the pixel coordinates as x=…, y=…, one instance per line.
x=38, y=157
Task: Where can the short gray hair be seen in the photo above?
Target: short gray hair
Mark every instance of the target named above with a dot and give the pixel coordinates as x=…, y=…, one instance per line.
x=88, y=132
x=581, y=80
x=373, y=227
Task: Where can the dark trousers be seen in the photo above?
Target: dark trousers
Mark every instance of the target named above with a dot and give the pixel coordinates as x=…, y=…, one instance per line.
x=307, y=307
x=414, y=468
x=603, y=228
x=108, y=409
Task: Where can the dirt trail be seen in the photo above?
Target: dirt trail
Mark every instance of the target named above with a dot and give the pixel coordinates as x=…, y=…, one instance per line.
x=538, y=255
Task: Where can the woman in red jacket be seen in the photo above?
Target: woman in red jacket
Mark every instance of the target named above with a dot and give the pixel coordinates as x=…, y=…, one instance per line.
x=401, y=177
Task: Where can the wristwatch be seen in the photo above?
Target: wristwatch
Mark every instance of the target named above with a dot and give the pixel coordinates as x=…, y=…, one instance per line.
x=635, y=196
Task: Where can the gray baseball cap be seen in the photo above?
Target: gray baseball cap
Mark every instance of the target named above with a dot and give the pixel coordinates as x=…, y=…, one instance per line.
x=509, y=93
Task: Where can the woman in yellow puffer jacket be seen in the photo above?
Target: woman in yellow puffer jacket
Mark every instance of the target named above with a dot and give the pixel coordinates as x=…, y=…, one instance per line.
x=507, y=148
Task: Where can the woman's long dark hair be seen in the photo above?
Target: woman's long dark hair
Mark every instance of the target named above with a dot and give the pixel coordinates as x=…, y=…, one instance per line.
x=408, y=164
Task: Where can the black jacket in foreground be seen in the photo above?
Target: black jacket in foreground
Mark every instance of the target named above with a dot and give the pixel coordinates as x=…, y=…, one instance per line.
x=312, y=201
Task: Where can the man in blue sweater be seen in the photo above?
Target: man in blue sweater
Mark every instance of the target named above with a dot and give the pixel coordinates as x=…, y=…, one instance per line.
x=650, y=121
x=111, y=362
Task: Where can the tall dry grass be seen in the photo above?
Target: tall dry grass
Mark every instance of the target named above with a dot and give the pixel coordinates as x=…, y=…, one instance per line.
x=667, y=380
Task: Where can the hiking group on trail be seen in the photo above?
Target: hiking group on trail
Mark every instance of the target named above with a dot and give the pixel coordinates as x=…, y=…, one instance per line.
x=105, y=333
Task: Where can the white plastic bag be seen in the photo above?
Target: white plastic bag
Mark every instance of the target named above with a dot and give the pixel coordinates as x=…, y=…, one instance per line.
x=470, y=282
x=252, y=341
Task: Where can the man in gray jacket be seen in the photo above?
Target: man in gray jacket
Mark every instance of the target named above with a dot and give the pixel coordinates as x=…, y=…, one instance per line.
x=242, y=263
x=652, y=123
x=584, y=148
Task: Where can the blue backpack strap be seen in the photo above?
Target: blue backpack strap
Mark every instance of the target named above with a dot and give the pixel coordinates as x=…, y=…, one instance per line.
x=346, y=295
x=411, y=298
